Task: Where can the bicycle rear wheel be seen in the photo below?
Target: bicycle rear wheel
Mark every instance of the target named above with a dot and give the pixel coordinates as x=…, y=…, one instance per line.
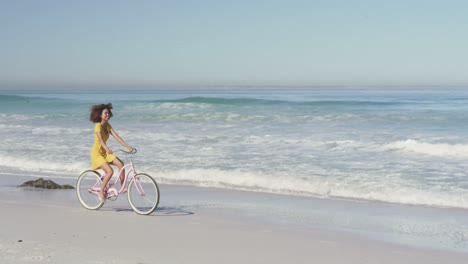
x=87, y=190
x=143, y=194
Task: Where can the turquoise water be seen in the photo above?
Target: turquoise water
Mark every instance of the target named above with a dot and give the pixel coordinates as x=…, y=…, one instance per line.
x=405, y=146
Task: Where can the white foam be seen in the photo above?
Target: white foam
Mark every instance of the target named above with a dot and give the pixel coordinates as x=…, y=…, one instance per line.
x=55, y=131
x=37, y=165
x=173, y=106
x=151, y=107
x=13, y=127
x=20, y=117
x=459, y=151
x=317, y=186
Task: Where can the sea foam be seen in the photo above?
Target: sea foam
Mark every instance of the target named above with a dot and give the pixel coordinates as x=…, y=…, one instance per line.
x=459, y=151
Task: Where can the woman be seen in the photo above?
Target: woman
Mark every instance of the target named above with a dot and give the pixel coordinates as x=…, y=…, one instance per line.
x=101, y=155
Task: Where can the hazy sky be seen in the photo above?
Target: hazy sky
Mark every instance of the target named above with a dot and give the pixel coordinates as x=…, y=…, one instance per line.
x=233, y=43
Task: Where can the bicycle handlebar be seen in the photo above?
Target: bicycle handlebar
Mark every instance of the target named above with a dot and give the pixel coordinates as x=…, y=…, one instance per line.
x=134, y=151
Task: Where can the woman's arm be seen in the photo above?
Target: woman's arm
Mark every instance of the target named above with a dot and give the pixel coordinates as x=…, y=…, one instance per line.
x=120, y=140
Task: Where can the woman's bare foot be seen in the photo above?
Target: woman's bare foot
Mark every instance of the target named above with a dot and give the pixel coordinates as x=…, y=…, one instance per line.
x=102, y=197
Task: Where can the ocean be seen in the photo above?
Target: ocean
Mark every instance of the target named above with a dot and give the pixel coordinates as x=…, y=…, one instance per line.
x=403, y=146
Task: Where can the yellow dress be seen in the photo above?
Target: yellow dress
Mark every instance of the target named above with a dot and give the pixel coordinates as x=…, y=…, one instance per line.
x=98, y=153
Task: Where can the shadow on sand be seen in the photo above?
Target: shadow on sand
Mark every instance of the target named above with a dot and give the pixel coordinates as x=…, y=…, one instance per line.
x=161, y=211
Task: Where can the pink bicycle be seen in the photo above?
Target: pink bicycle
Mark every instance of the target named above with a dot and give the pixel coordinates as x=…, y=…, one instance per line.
x=142, y=191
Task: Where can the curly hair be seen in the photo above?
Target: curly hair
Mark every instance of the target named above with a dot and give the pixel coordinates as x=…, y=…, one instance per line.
x=96, y=112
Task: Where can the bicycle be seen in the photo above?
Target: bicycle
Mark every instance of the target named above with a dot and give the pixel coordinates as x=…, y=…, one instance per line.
x=142, y=193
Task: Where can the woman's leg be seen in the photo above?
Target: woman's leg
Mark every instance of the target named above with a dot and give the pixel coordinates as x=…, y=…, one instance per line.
x=108, y=172
x=117, y=162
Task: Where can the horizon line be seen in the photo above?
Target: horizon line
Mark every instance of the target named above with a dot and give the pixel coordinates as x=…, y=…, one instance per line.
x=210, y=87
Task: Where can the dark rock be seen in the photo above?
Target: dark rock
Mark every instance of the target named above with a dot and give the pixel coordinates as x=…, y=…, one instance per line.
x=45, y=184
x=39, y=183
x=48, y=184
x=27, y=184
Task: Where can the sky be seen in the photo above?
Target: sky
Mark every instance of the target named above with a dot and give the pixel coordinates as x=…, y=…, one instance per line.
x=221, y=43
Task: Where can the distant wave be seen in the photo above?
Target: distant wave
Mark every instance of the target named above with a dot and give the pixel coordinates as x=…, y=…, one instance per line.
x=211, y=101
x=217, y=100
x=13, y=98
x=255, y=101
x=48, y=105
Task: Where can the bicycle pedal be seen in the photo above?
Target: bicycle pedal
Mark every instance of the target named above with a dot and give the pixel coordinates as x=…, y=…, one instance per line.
x=112, y=198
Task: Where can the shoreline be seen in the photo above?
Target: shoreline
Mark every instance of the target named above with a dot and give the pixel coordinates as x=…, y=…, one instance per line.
x=204, y=225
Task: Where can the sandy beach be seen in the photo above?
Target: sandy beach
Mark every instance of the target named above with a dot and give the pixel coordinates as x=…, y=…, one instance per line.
x=191, y=225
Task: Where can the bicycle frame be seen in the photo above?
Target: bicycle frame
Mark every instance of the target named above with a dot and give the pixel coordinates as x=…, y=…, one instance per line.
x=129, y=169
x=112, y=192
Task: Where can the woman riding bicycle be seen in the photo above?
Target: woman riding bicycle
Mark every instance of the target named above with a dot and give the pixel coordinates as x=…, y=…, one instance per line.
x=101, y=155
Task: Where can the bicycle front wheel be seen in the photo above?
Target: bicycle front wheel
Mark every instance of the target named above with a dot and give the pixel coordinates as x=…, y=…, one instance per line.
x=143, y=194
x=87, y=190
